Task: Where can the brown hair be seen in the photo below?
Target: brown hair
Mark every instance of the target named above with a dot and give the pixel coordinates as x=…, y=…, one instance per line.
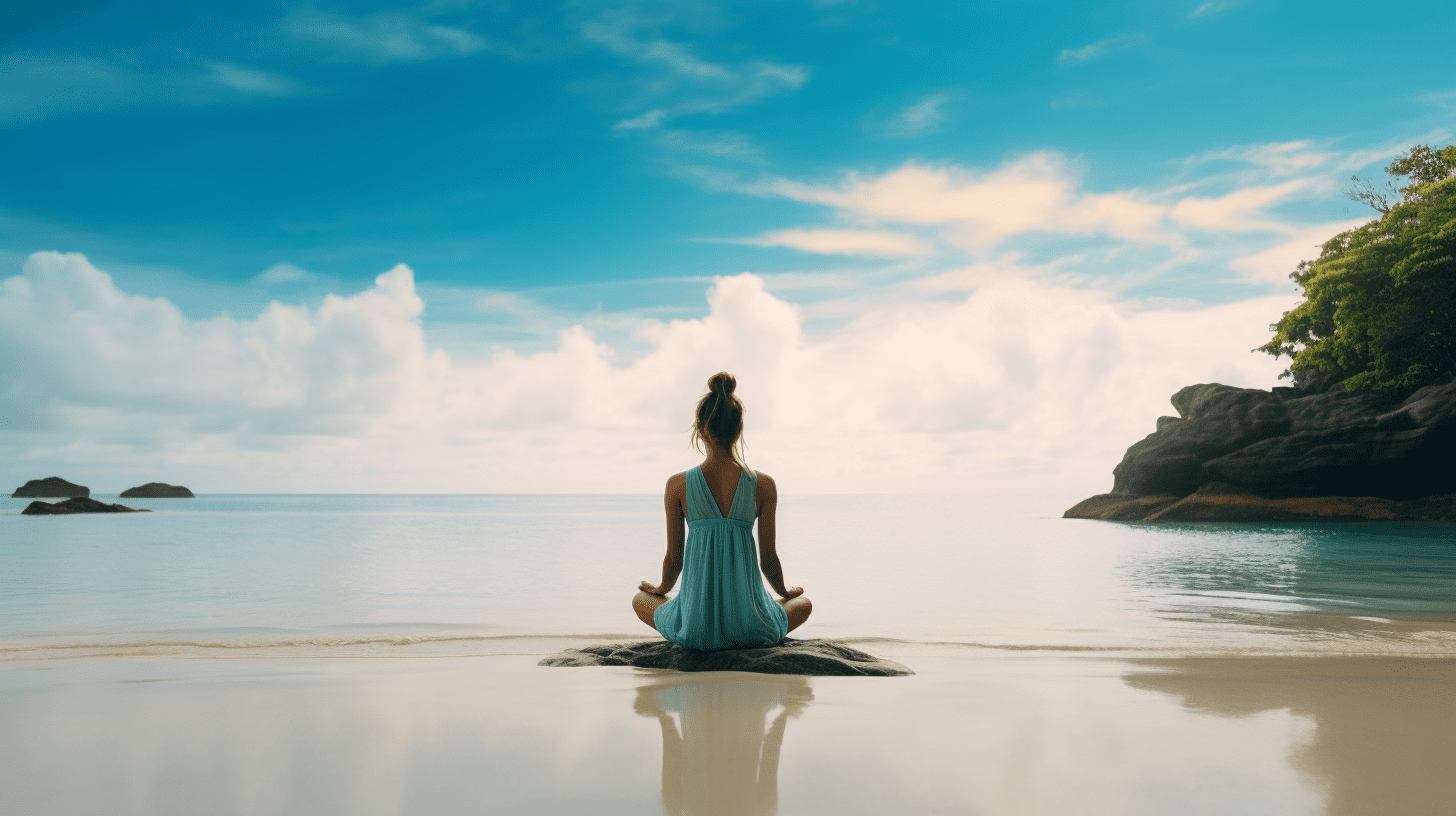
x=720, y=418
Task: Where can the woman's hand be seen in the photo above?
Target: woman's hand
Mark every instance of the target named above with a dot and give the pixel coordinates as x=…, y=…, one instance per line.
x=651, y=589
x=793, y=593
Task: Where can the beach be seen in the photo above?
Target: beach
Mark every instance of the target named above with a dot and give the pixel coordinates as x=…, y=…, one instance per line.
x=185, y=664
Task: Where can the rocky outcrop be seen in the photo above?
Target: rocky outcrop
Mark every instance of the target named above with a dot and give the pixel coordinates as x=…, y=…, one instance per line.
x=1308, y=453
x=810, y=657
x=80, y=504
x=157, y=490
x=53, y=487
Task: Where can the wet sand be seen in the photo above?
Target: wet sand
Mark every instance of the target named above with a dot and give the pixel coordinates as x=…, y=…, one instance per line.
x=970, y=733
x=1384, y=738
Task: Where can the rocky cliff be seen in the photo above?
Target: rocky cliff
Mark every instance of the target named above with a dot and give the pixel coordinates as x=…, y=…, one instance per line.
x=1312, y=452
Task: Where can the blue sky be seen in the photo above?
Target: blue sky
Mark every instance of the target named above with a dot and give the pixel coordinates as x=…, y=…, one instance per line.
x=539, y=167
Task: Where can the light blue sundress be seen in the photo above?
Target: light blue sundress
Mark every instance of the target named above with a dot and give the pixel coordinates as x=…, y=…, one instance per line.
x=722, y=603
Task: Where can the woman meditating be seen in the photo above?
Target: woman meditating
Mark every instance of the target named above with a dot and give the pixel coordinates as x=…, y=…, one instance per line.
x=723, y=604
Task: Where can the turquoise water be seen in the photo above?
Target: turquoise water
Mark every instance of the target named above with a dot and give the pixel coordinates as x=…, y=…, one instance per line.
x=407, y=575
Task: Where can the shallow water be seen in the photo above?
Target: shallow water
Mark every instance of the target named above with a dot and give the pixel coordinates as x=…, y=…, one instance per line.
x=473, y=575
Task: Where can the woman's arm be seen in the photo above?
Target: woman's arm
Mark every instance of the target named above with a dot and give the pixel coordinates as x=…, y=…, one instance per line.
x=672, y=501
x=768, y=555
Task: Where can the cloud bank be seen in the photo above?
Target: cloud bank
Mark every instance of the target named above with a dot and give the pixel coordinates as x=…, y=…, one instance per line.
x=1020, y=385
x=1040, y=193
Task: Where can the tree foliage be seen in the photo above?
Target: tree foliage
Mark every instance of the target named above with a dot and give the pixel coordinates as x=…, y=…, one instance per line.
x=1421, y=164
x=1380, y=300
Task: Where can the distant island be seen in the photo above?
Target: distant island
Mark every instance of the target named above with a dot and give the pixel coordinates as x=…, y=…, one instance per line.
x=1367, y=431
x=53, y=487
x=71, y=507
x=157, y=490
x=78, y=497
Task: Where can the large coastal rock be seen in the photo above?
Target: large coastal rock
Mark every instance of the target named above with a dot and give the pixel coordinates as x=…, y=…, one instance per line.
x=53, y=487
x=811, y=657
x=157, y=490
x=1313, y=452
x=80, y=504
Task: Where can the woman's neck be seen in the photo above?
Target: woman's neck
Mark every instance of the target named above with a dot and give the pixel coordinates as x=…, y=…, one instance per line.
x=718, y=456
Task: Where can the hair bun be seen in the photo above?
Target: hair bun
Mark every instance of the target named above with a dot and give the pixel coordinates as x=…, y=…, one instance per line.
x=722, y=383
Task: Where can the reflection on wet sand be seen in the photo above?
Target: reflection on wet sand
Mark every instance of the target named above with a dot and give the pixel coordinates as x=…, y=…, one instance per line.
x=721, y=753
x=1383, y=727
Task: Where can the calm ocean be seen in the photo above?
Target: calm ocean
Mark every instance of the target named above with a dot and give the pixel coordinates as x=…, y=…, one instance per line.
x=467, y=575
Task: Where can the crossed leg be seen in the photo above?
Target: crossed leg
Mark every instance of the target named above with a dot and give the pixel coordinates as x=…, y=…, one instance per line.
x=797, y=609
x=645, y=605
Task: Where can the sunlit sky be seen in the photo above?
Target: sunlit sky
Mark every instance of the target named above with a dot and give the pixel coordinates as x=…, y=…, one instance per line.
x=492, y=247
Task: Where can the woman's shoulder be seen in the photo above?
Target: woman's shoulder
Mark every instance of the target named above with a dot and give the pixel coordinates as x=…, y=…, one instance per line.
x=765, y=482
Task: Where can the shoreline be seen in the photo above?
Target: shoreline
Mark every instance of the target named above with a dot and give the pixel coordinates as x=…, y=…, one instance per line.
x=1285, y=635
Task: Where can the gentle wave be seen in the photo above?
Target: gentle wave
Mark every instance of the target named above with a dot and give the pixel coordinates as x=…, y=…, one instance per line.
x=323, y=642
x=283, y=647
x=1438, y=643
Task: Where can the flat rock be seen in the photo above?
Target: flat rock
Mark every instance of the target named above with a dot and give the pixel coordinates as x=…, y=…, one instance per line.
x=1119, y=507
x=807, y=657
x=157, y=490
x=53, y=487
x=1219, y=506
x=80, y=504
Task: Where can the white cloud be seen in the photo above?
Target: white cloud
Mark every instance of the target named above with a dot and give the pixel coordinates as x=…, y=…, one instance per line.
x=983, y=273
x=683, y=83
x=918, y=119
x=1038, y=193
x=722, y=145
x=1035, y=193
x=1213, y=7
x=1282, y=158
x=1099, y=49
x=650, y=119
x=1305, y=157
x=1443, y=99
x=282, y=272
x=35, y=86
x=1273, y=265
x=251, y=80
x=88, y=349
x=844, y=242
x=1239, y=211
x=1019, y=385
x=385, y=38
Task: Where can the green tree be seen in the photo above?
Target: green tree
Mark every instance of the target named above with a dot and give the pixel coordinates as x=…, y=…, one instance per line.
x=1380, y=301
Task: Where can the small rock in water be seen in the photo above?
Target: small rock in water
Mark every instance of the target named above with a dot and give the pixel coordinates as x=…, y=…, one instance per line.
x=157, y=490
x=79, y=504
x=822, y=658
